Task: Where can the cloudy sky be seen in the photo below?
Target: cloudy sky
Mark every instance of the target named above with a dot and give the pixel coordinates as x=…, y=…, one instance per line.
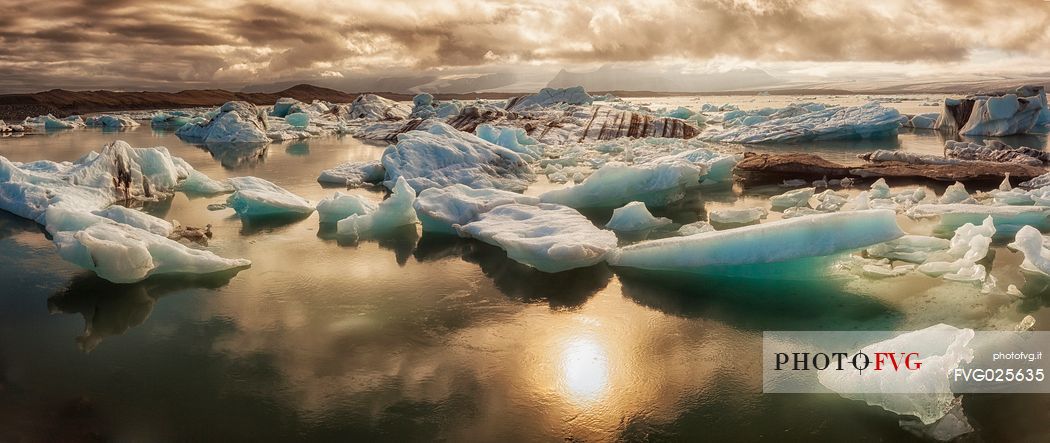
x=228, y=43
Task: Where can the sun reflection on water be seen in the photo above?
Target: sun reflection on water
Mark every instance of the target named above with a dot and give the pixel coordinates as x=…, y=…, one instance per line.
x=584, y=369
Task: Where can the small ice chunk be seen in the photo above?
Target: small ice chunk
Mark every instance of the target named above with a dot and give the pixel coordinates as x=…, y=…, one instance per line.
x=697, y=227
x=439, y=209
x=968, y=246
x=393, y=212
x=256, y=197
x=880, y=189
x=634, y=217
x=1008, y=219
x=340, y=206
x=737, y=216
x=548, y=237
x=956, y=193
x=793, y=198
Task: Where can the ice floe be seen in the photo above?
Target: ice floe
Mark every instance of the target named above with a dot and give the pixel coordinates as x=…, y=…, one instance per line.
x=374, y=107
x=548, y=237
x=110, y=121
x=256, y=197
x=738, y=251
x=440, y=209
x=616, y=184
x=1032, y=244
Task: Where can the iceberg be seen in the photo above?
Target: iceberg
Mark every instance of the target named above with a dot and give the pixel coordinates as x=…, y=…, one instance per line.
x=443, y=156
x=634, y=216
x=995, y=151
x=110, y=121
x=834, y=123
x=138, y=219
x=697, y=227
x=374, y=107
x=737, y=216
x=1031, y=243
x=283, y=106
x=236, y=122
x=255, y=197
x=122, y=253
x=551, y=96
x=616, y=184
x=943, y=348
x=95, y=181
x=340, y=206
x=548, y=237
x=48, y=122
x=393, y=212
x=993, y=115
x=786, y=242
x=354, y=174
x=441, y=209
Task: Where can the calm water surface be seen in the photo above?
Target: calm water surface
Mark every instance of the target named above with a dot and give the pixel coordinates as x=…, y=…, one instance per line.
x=418, y=337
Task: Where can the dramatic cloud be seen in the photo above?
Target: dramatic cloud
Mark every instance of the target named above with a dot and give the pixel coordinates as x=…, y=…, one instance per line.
x=154, y=44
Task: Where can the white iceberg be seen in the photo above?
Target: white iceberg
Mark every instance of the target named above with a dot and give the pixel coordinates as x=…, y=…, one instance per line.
x=1002, y=115
x=834, y=123
x=110, y=121
x=392, y=213
x=550, y=238
x=736, y=251
x=514, y=139
x=256, y=197
x=956, y=193
x=924, y=121
x=122, y=253
x=95, y=181
x=959, y=262
x=634, y=216
x=439, y=209
x=942, y=348
x=443, y=156
x=1032, y=244
x=236, y=122
x=138, y=219
x=374, y=107
x=340, y=206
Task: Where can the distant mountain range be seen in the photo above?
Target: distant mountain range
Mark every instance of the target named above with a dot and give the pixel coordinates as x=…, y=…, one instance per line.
x=611, y=78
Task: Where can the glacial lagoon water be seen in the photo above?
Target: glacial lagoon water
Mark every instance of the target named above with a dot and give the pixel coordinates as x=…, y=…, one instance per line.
x=418, y=337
